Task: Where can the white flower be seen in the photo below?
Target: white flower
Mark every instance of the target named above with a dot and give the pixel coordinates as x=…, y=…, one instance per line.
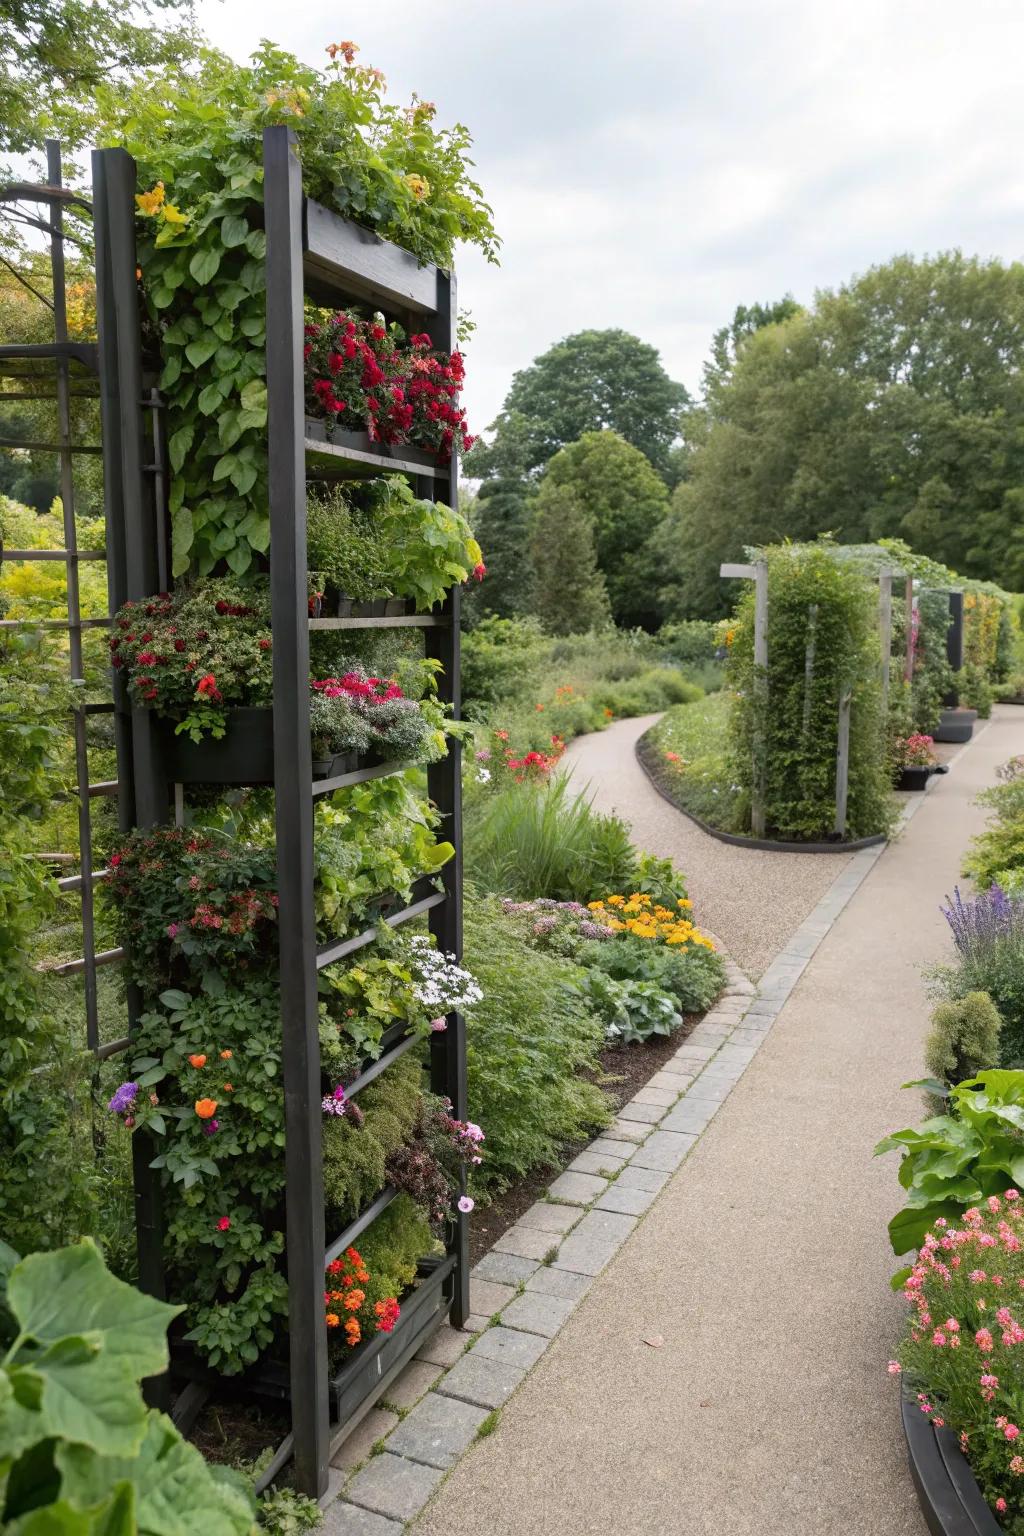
x=483, y=776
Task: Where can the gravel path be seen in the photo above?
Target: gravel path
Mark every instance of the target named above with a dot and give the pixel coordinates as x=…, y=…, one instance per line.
x=726, y=1373
x=752, y=900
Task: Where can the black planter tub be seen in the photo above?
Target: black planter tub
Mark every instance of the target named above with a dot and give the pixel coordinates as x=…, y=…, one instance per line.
x=244, y=754
x=955, y=725
x=915, y=776
x=950, y=1499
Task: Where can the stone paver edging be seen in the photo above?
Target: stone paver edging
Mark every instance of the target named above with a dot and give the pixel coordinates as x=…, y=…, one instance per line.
x=538, y=1272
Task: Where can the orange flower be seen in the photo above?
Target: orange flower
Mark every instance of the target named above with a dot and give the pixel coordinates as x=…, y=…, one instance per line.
x=354, y=1300
x=197, y=1061
x=333, y=1319
x=229, y=1087
x=206, y=1108
x=352, y=1331
x=226, y=1055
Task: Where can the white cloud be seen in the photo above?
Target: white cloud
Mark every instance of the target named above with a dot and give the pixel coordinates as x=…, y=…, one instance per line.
x=652, y=165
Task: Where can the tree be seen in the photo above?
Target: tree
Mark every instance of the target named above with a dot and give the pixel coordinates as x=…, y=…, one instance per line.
x=503, y=522
x=590, y=382
x=571, y=594
x=627, y=501
x=892, y=408
x=54, y=53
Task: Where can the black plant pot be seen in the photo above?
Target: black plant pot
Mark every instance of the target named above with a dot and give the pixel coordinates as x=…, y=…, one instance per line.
x=243, y=755
x=376, y=608
x=947, y=1492
x=914, y=776
x=344, y=762
x=956, y=726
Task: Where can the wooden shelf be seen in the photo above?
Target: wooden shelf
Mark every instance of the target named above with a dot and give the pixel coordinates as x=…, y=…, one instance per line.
x=352, y=455
x=344, y=260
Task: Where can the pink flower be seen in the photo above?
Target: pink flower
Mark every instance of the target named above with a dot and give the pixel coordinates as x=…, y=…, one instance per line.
x=983, y=1339
x=172, y=930
x=976, y=1276
x=1011, y=1432
x=438, y=1025
x=465, y=1204
x=994, y=1204
x=1000, y=1506
x=894, y=1368
x=938, y=1338
x=1011, y=1195
x=224, y=1223
x=1017, y=1466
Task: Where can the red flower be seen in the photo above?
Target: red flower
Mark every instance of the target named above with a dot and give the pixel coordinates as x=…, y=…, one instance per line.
x=224, y=1224
x=480, y=571
x=207, y=687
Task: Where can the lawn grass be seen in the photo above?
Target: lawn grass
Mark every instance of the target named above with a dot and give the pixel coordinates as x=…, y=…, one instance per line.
x=687, y=755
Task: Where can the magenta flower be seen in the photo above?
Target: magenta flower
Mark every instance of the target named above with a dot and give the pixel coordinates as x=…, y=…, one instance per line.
x=465, y=1205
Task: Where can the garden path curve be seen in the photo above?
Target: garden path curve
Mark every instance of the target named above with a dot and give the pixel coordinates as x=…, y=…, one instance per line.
x=751, y=899
x=726, y=1371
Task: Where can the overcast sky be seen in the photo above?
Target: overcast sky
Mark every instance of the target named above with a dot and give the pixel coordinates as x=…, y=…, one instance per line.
x=654, y=163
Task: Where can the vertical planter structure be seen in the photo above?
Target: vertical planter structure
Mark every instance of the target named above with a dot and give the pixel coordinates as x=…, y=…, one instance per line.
x=315, y=254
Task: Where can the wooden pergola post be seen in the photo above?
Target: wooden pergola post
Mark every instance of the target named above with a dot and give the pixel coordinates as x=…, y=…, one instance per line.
x=758, y=574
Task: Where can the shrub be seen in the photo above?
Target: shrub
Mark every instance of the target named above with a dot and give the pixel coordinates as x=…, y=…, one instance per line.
x=687, y=754
x=1001, y=846
x=794, y=733
x=532, y=841
x=988, y=933
x=964, y=1038
x=961, y=1354
x=693, y=975
x=356, y=1155
x=529, y=1045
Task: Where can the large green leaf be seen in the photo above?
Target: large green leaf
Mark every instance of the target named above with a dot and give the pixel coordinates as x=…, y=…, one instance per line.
x=205, y=264
x=71, y=1291
x=85, y=1395
x=908, y=1227
x=176, y=1493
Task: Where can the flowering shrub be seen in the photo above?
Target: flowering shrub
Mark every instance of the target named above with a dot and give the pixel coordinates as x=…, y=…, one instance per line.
x=440, y=984
x=361, y=376
x=988, y=933
x=962, y=1353
x=188, y=901
x=916, y=751
x=429, y=1166
x=402, y=981
x=192, y=654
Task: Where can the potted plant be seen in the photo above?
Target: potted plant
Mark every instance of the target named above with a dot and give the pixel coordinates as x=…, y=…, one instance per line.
x=917, y=761
x=358, y=718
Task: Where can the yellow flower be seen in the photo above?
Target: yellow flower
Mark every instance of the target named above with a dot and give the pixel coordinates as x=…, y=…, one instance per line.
x=419, y=186
x=172, y=215
x=149, y=202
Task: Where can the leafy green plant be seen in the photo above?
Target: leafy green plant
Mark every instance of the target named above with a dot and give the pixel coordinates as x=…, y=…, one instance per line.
x=531, y=1045
x=533, y=841
x=356, y=1155
x=633, y=1011
x=691, y=974
x=284, y=1512
x=197, y=138
x=954, y=1160
x=1001, y=846
x=79, y=1450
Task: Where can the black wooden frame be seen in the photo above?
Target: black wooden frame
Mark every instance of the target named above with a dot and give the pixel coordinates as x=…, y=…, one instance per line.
x=312, y=252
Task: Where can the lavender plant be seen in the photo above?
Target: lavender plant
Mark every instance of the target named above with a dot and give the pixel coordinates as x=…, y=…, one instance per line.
x=988, y=935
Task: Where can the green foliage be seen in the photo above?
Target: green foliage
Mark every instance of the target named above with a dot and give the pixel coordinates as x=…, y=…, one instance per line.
x=529, y=1044
x=933, y=676
x=632, y=1011
x=591, y=381
x=502, y=658
x=503, y=523
x=891, y=407
x=571, y=594
x=627, y=500
x=955, y=1160
x=789, y=719
x=691, y=974
x=964, y=1038
x=1000, y=848
x=283, y=1512
x=197, y=139
x=355, y=1156
x=534, y=841
x=79, y=1450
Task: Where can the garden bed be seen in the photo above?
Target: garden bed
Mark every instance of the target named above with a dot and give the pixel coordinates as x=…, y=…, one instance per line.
x=627, y=1069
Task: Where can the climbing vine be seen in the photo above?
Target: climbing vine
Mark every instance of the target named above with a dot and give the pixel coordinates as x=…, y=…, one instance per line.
x=197, y=141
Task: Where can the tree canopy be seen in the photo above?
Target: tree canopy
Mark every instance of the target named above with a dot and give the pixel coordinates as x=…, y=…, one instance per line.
x=627, y=501
x=571, y=596
x=894, y=407
x=589, y=382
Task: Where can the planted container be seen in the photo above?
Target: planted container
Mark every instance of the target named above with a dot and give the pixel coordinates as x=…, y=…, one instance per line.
x=949, y=1496
x=243, y=755
x=915, y=776
x=375, y=1363
x=955, y=725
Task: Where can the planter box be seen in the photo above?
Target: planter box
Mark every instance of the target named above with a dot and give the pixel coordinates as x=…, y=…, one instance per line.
x=914, y=776
x=950, y=1499
x=958, y=713
x=955, y=726
x=375, y=1363
x=345, y=762
x=243, y=755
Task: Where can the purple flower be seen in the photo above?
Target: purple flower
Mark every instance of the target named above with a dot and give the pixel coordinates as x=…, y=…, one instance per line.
x=465, y=1205
x=589, y=930
x=123, y=1098
x=544, y=925
x=334, y=1103
x=473, y=1131
x=210, y=1127
x=980, y=925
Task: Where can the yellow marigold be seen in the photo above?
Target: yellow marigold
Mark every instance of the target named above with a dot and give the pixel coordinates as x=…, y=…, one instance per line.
x=685, y=902
x=419, y=186
x=149, y=202
x=172, y=215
